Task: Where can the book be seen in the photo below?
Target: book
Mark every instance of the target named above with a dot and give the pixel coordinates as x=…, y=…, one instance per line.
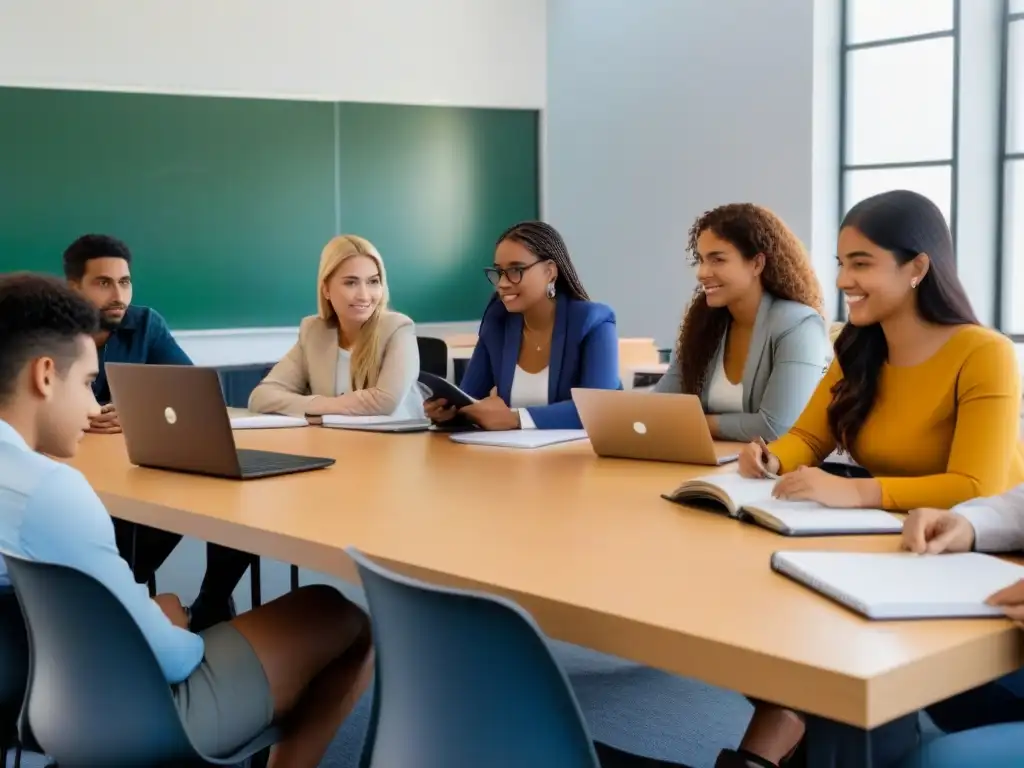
x=750, y=500
x=376, y=423
x=902, y=585
x=520, y=438
x=243, y=419
x=436, y=387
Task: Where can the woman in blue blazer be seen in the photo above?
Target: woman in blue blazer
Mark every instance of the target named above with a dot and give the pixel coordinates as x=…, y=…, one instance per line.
x=540, y=336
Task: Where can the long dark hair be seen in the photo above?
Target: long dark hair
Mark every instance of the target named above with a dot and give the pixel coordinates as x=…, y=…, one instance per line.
x=907, y=224
x=788, y=274
x=544, y=242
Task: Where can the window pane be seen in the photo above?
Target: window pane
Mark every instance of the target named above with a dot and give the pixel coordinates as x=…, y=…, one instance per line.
x=899, y=103
x=1013, y=248
x=1015, y=89
x=882, y=19
x=1016, y=6
x=933, y=183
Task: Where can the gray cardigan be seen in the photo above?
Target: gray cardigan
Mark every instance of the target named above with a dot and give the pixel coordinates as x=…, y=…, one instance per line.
x=789, y=353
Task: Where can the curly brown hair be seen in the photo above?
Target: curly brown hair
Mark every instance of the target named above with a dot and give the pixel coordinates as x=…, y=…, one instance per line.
x=787, y=274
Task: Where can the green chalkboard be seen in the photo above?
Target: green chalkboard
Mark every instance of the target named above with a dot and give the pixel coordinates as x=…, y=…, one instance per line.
x=226, y=203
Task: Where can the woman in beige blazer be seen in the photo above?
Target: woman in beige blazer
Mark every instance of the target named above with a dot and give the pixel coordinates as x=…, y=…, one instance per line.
x=354, y=357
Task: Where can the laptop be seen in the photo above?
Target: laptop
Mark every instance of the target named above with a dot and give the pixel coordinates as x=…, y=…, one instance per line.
x=654, y=426
x=174, y=417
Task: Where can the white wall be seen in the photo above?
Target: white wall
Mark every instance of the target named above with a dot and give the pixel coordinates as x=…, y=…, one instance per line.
x=481, y=53
x=661, y=109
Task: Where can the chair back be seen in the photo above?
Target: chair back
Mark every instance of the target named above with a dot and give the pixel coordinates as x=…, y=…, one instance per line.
x=433, y=355
x=96, y=693
x=464, y=679
x=13, y=665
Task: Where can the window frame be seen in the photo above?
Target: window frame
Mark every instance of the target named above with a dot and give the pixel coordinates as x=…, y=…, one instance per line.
x=845, y=167
x=1006, y=157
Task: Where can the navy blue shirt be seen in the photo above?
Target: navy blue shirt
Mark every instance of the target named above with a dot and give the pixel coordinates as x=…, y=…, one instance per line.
x=142, y=337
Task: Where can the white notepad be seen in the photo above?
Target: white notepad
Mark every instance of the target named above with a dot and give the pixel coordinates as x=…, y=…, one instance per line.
x=376, y=423
x=900, y=585
x=266, y=421
x=520, y=438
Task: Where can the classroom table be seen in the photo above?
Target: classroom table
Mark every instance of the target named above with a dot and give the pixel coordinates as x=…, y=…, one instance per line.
x=589, y=547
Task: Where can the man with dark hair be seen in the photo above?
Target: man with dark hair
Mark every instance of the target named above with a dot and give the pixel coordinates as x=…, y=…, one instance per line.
x=99, y=268
x=301, y=660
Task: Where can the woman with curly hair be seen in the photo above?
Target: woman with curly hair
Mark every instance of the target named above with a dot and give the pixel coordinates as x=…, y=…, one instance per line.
x=753, y=343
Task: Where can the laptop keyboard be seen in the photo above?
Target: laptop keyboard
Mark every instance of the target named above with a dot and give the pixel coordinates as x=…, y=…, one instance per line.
x=267, y=462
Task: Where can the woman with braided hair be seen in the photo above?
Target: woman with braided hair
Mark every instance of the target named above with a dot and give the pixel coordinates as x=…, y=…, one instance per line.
x=753, y=344
x=540, y=336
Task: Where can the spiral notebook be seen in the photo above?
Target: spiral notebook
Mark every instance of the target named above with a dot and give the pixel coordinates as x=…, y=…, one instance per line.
x=901, y=585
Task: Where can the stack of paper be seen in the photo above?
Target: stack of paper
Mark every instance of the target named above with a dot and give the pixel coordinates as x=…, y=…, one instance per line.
x=266, y=421
x=520, y=438
x=377, y=423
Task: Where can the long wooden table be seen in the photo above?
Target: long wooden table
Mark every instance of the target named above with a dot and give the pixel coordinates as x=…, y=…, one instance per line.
x=589, y=547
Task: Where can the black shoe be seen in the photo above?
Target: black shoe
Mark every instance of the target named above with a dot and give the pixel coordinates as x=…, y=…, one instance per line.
x=204, y=614
x=732, y=758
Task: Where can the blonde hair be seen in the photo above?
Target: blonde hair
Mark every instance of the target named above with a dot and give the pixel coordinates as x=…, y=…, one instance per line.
x=367, y=351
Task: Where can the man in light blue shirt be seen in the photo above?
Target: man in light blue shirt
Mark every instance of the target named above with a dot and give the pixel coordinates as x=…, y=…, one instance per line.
x=233, y=680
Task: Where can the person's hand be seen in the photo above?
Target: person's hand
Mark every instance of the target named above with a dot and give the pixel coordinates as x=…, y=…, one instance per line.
x=813, y=484
x=757, y=461
x=492, y=413
x=106, y=423
x=1011, y=600
x=438, y=410
x=931, y=531
x=173, y=609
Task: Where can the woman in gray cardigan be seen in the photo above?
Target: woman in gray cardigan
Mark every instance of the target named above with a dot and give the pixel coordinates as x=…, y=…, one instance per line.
x=753, y=344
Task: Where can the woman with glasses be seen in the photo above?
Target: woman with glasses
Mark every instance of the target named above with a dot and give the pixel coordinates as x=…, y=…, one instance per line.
x=540, y=336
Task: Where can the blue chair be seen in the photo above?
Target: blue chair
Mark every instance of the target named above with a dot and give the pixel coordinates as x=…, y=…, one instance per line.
x=96, y=693
x=463, y=680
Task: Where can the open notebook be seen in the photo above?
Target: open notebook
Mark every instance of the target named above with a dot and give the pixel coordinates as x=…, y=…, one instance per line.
x=900, y=585
x=243, y=419
x=520, y=438
x=376, y=423
x=751, y=501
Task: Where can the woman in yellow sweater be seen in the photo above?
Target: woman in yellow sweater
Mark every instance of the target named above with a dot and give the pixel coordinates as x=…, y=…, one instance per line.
x=922, y=396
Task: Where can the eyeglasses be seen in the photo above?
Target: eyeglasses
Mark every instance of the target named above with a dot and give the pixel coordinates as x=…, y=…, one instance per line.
x=514, y=274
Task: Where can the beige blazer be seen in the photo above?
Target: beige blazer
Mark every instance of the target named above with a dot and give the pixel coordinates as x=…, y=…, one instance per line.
x=310, y=368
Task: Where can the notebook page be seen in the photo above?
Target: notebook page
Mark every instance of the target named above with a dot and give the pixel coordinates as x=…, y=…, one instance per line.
x=520, y=438
x=902, y=585
x=742, y=490
x=809, y=516
x=266, y=421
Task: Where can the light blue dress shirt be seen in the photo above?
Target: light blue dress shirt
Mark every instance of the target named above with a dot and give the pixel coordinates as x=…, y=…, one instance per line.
x=49, y=513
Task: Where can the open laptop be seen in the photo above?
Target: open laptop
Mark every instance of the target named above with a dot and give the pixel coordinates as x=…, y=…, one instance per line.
x=648, y=425
x=174, y=417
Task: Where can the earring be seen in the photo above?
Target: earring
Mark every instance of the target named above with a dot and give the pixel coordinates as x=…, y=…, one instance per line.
x=551, y=289
x=913, y=282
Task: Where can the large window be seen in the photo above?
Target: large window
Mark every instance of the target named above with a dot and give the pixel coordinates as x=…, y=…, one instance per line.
x=1013, y=171
x=900, y=101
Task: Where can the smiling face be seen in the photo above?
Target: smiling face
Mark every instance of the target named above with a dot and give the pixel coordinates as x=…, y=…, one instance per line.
x=876, y=284
x=520, y=277
x=724, y=274
x=355, y=289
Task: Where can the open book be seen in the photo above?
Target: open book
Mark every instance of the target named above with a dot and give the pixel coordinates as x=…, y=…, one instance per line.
x=243, y=419
x=376, y=423
x=520, y=438
x=751, y=501
x=901, y=585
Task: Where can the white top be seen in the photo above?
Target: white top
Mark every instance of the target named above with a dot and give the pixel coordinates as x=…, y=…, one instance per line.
x=528, y=390
x=410, y=406
x=998, y=521
x=723, y=395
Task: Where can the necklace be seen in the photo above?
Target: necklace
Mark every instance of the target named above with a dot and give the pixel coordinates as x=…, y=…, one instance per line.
x=529, y=332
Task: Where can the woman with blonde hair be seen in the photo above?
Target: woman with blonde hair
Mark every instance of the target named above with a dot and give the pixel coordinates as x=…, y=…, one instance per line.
x=354, y=357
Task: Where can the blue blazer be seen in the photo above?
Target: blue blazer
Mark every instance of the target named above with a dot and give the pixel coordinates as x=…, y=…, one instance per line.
x=584, y=353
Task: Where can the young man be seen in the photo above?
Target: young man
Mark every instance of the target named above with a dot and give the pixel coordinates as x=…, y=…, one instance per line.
x=99, y=268
x=302, y=660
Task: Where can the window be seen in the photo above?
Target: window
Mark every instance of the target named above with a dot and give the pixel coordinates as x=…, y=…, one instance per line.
x=1012, y=245
x=899, y=101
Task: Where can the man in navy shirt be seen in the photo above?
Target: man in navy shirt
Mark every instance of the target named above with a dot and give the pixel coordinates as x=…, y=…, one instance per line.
x=99, y=268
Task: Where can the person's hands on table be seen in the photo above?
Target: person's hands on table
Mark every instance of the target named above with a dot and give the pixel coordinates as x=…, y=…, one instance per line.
x=438, y=410
x=106, y=423
x=932, y=531
x=756, y=461
x=813, y=484
x=492, y=413
x=1011, y=600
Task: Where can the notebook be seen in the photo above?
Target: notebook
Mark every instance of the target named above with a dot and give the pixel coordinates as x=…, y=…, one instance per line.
x=520, y=438
x=376, y=423
x=901, y=585
x=751, y=500
x=243, y=419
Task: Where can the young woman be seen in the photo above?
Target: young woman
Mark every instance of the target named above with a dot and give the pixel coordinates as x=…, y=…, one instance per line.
x=540, y=337
x=753, y=344
x=924, y=398
x=354, y=357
